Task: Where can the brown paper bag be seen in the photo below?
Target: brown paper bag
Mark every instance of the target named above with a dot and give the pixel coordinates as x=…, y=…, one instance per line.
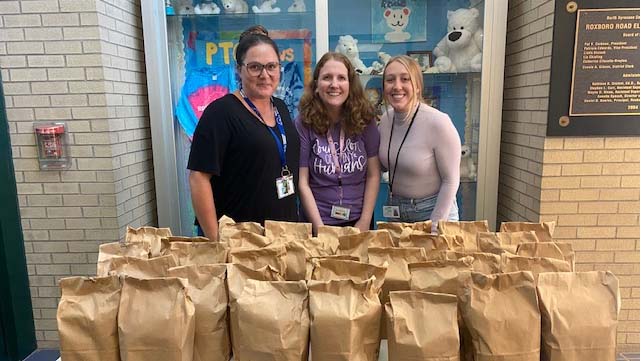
x=272, y=322
x=140, y=268
x=274, y=256
x=556, y=250
x=228, y=230
x=502, y=314
x=310, y=261
x=422, y=326
x=107, y=251
x=88, y=318
x=329, y=234
x=150, y=235
x=397, y=228
x=156, y=320
x=246, y=239
x=237, y=276
x=397, y=277
x=327, y=269
x=439, y=276
x=579, y=313
x=544, y=230
x=207, y=291
x=428, y=241
x=317, y=247
x=290, y=231
x=188, y=253
x=345, y=320
x=536, y=265
x=295, y=261
x=465, y=229
x=357, y=244
x=499, y=242
x=486, y=263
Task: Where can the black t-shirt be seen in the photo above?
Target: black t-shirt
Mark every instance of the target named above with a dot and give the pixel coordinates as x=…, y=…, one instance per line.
x=242, y=155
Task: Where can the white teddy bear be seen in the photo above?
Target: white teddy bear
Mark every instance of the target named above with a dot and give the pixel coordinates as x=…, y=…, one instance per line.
x=384, y=58
x=347, y=45
x=460, y=50
x=207, y=7
x=266, y=7
x=468, y=169
x=235, y=6
x=298, y=6
x=397, y=20
x=184, y=7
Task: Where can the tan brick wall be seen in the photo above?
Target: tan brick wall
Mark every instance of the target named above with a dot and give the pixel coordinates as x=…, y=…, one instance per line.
x=78, y=61
x=588, y=185
x=593, y=185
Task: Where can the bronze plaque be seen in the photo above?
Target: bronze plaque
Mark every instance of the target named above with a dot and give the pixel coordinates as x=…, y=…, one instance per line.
x=605, y=73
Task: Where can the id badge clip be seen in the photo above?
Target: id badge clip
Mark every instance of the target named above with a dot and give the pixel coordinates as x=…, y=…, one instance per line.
x=339, y=212
x=392, y=212
x=285, y=184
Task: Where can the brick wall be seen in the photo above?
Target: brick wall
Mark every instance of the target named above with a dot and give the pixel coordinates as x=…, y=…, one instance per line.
x=78, y=61
x=588, y=185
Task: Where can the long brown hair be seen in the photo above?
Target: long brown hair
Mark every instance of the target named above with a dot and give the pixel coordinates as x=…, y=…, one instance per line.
x=357, y=111
x=416, y=78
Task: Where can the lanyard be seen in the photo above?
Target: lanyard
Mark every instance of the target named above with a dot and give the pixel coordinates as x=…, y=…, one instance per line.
x=393, y=175
x=335, y=157
x=282, y=142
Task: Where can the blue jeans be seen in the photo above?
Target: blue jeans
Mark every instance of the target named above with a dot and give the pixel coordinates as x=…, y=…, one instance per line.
x=418, y=209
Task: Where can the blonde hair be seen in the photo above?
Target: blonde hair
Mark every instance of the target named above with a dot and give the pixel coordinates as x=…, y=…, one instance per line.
x=416, y=78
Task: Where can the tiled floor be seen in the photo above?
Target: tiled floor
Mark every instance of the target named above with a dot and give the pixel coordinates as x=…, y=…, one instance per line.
x=52, y=355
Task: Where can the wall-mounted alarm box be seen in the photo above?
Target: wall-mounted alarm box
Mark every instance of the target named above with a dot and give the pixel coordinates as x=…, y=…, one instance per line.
x=53, y=153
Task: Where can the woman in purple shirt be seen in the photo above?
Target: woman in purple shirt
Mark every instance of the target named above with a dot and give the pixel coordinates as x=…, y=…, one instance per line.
x=339, y=167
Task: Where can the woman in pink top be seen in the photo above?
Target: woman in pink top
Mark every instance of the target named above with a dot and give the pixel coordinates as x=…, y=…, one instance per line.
x=420, y=148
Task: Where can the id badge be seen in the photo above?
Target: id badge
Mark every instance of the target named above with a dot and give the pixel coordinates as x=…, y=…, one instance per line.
x=391, y=212
x=285, y=186
x=339, y=212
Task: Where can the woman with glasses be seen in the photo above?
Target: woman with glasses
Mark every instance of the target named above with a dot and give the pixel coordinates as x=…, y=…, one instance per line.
x=244, y=154
x=420, y=147
x=339, y=166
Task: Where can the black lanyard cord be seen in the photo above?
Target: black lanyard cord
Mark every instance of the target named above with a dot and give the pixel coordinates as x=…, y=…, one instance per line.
x=389, y=146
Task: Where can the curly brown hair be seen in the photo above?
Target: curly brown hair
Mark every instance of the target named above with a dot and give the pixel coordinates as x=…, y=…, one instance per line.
x=358, y=112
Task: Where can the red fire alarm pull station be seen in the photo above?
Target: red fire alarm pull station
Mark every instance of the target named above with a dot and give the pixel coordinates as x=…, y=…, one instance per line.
x=52, y=146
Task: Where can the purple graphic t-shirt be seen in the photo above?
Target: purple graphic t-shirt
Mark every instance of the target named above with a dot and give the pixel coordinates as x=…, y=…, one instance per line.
x=315, y=154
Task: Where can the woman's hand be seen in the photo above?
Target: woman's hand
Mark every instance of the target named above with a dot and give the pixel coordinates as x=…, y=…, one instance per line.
x=202, y=198
x=363, y=225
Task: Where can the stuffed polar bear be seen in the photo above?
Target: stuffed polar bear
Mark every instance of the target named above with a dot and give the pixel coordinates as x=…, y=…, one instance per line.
x=460, y=49
x=235, y=6
x=266, y=7
x=348, y=46
x=298, y=6
x=468, y=169
x=384, y=59
x=207, y=7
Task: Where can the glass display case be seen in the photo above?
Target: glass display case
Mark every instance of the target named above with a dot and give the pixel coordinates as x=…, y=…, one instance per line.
x=189, y=57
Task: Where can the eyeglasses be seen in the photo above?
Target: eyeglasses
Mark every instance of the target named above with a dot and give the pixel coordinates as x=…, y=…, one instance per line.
x=255, y=69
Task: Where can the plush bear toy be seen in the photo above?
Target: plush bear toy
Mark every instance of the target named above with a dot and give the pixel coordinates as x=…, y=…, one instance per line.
x=235, y=6
x=298, y=6
x=460, y=49
x=468, y=169
x=207, y=7
x=266, y=7
x=184, y=7
x=347, y=46
x=384, y=58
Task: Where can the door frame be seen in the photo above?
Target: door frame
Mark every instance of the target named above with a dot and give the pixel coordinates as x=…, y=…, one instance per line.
x=16, y=312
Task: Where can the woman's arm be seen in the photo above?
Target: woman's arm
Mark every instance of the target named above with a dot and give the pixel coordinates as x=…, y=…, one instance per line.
x=447, y=152
x=372, y=184
x=202, y=198
x=307, y=199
